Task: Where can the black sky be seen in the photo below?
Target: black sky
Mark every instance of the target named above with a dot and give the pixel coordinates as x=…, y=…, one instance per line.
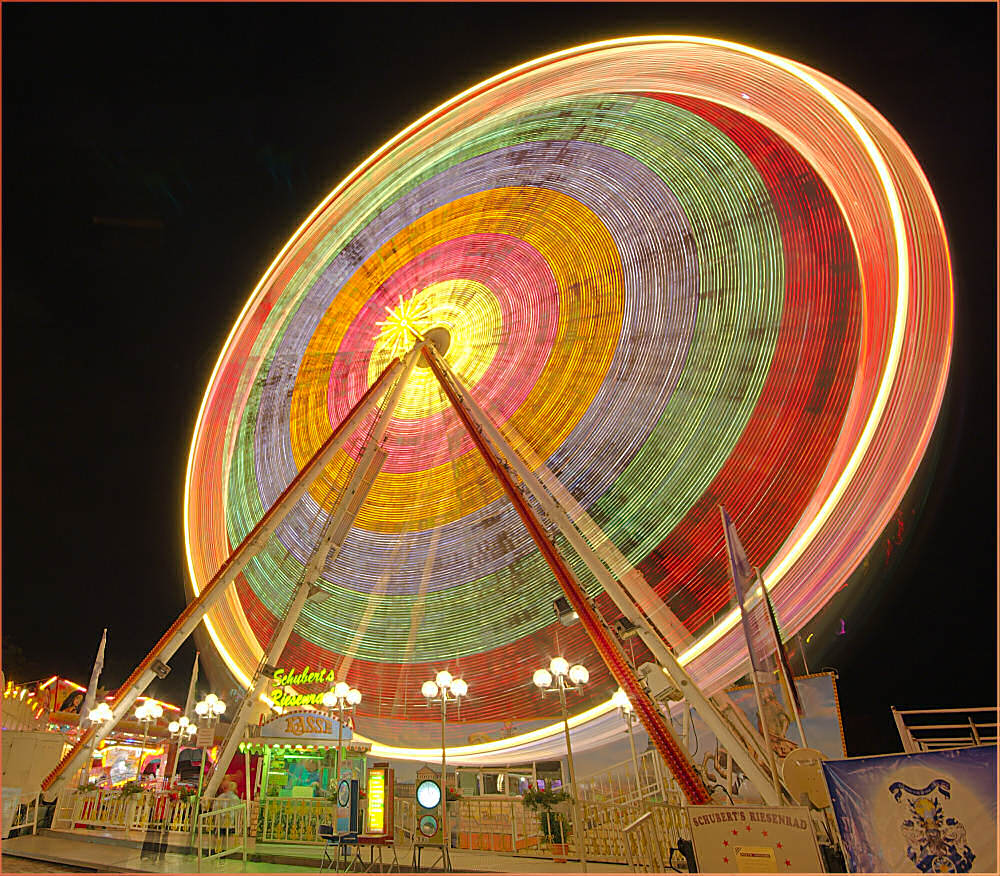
x=200, y=136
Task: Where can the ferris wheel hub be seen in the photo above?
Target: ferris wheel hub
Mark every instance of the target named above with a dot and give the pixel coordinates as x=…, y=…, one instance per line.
x=440, y=338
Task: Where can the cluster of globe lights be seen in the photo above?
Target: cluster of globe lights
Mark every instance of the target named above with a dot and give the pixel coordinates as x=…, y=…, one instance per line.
x=676, y=272
x=211, y=707
x=342, y=695
x=560, y=669
x=182, y=728
x=444, y=684
x=149, y=711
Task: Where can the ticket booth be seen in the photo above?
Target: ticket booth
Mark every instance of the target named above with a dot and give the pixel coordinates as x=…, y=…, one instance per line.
x=297, y=785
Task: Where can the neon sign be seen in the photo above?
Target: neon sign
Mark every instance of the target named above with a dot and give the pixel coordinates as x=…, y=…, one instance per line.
x=284, y=676
x=376, y=801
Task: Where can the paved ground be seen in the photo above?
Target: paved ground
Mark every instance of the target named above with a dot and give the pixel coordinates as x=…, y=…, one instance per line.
x=64, y=852
x=10, y=864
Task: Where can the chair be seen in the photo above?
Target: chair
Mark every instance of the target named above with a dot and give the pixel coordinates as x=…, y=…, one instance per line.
x=342, y=842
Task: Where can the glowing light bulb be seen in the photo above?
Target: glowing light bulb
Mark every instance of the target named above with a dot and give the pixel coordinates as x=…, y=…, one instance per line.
x=542, y=678
x=559, y=666
x=429, y=689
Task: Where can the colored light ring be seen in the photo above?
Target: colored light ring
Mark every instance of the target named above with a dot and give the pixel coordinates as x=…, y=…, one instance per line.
x=688, y=414
x=905, y=330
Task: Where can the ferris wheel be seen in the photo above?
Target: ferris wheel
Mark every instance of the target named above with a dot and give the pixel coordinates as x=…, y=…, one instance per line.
x=664, y=273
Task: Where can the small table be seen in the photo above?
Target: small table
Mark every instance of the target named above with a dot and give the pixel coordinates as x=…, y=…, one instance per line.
x=441, y=847
x=379, y=841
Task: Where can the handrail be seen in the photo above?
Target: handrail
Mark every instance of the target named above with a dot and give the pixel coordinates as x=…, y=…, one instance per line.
x=217, y=826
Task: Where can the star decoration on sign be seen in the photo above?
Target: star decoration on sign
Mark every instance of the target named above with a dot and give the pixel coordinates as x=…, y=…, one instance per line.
x=748, y=827
x=764, y=832
x=734, y=831
x=779, y=845
x=788, y=863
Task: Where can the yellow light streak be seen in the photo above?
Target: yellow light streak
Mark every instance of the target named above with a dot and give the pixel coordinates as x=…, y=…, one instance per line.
x=773, y=575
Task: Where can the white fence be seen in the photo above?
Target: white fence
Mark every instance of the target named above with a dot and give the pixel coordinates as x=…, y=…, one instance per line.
x=105, y=809
x=221, y=833
x=25, y=814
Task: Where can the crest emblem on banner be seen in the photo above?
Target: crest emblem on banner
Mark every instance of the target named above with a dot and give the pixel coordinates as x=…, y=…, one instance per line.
x=936, y=842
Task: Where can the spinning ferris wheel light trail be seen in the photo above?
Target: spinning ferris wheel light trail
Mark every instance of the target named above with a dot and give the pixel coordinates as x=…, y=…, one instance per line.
x=672, y=272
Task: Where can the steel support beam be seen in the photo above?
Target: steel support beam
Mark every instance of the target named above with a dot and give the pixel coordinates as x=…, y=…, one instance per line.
x=607, y=646
x=660, y=650
x=338, y=524
x=252, y=544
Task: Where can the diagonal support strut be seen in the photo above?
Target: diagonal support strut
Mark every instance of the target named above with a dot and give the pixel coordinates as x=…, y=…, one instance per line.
x=607, y=646
x=252, y=544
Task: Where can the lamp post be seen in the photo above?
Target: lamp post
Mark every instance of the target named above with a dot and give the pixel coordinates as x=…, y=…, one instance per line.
x=146, y=713
x=554, y=679
x=627, y=713
x=181, y=731
x=443, y=689
x=343, y=698
x=97, y=716
x=208, y=710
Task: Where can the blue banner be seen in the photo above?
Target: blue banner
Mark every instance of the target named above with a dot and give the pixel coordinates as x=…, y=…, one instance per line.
x=931, y=812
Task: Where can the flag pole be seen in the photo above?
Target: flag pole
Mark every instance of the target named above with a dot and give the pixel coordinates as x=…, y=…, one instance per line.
x=89, y=702
x=743, y=576
x=786, y=681
x=766, y=731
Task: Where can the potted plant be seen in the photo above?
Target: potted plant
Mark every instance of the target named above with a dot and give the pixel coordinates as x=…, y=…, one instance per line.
x=553, y=826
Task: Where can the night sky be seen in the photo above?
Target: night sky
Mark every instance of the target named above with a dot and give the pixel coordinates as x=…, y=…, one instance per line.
x=155, y=158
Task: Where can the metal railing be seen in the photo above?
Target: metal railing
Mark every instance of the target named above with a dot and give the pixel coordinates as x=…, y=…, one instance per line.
x=974, y=727
x=496, y=825
x=294, y=819
x=629, y=781
x=506, y=826
x=109, y=809
x=221, y=833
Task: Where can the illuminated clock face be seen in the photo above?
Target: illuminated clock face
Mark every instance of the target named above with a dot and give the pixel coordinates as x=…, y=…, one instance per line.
x=344, y=793
x=428, y=794
x=428, y=825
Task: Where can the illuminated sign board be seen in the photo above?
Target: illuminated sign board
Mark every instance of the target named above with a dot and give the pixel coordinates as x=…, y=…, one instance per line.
x=376, y=801
x=306, y=676
x=306, y=725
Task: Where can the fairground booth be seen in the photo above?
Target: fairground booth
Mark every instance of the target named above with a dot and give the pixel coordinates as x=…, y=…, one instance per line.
x=297, y=773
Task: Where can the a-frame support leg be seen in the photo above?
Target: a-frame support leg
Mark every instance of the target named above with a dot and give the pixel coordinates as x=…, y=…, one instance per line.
x=196, y=610
x=751, y=766
x=338, y=524
x=607, y=646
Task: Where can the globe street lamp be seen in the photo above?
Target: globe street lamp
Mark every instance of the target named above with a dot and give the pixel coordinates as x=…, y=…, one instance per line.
x=443, y=689
x=343, y=698
x=181, y=731
x=208, y=710
x=627, y=713
x=148, y=712
x=551, y=680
